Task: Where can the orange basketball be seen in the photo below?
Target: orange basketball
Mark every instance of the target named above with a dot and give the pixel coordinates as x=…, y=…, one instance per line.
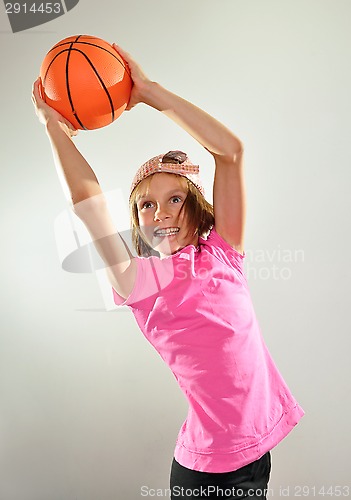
x=86, y=81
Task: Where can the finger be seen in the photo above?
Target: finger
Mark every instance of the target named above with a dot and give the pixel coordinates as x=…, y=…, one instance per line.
x=41, y=90
x=71, y=127
x=34, y=95
x=117, y=47
x=34, y=87
x=129, y=107
x=122, y=52
x=36, y=91
x=73, y=130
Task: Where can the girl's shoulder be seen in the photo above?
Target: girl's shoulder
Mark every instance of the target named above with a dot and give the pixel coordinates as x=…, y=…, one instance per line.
x=214, y=239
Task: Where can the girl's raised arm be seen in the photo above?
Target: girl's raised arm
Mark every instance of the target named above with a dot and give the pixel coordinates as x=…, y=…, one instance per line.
x=82, y=188
x=229, y=200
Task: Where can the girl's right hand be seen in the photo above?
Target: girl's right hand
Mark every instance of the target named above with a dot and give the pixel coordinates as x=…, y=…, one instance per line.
x=141, y=82
x=46, y=113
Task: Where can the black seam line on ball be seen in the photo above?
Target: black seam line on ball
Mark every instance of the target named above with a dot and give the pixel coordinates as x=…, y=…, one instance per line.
x=46, y=72
x=101, y=81
x=61, y=52
x=98, y=47
x=69, y=50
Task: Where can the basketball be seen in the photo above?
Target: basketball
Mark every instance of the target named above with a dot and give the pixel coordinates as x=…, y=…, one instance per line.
x=86, y=81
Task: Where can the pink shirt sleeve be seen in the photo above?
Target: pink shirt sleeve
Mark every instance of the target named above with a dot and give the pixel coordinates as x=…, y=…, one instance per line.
x=225, y=252
x=153, y=275
x=133, y=296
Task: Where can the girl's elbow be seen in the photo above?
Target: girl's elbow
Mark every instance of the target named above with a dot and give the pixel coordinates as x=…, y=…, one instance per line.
x=232, y=154
x=84, y=205
x=236, y=149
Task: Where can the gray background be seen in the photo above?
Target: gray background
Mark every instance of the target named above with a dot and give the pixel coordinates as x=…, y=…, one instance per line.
x=87, y=409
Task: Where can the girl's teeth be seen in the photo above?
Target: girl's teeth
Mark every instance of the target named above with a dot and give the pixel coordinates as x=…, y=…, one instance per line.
x=166, y=232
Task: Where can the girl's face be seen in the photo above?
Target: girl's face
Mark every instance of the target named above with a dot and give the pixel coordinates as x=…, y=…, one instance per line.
x=159, y=210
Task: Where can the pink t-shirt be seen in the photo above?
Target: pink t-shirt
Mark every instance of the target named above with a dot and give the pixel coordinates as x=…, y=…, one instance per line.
x=195, y=308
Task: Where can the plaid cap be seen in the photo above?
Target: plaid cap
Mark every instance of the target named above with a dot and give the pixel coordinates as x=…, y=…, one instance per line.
x=173, y=162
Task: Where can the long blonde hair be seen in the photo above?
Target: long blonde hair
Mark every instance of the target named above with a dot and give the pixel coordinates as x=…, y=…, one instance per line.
x=198, y=212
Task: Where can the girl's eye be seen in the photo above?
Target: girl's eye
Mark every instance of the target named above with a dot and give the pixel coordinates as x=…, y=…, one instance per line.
x=176, y=199
x=146, y=204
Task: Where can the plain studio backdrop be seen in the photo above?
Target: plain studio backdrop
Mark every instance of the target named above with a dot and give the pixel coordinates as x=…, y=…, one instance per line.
x=88, y=410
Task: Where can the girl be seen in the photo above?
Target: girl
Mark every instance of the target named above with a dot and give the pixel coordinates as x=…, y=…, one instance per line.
x=188, y=291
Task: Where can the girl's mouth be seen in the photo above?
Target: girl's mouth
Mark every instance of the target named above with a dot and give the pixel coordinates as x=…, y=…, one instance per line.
x=168, y=231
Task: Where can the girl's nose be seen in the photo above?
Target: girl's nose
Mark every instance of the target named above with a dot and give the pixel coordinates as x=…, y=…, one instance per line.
x=161, y=213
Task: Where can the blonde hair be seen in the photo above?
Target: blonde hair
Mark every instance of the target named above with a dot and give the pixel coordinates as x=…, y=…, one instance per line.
x=198, y=213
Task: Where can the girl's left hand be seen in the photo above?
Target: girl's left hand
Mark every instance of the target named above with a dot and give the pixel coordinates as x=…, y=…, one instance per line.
x=46, y=113
x=141, y=82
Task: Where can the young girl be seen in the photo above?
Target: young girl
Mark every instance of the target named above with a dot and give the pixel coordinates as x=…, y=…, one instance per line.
x=189, y=294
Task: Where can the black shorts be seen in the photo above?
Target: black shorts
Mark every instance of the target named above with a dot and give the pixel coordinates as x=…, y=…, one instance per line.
x=249, y=482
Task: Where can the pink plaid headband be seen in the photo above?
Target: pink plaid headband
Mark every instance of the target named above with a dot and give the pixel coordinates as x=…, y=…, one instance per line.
x=173, y=162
